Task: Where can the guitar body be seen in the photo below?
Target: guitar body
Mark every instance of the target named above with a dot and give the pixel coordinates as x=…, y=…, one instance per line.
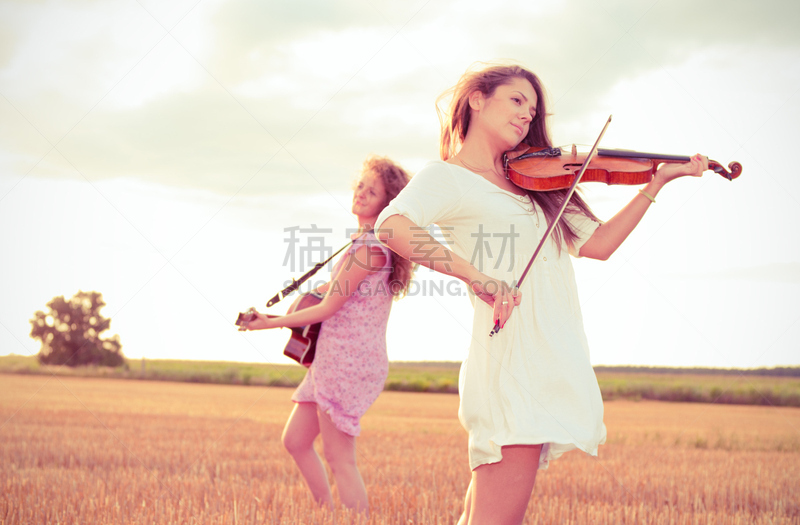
x=303, y=344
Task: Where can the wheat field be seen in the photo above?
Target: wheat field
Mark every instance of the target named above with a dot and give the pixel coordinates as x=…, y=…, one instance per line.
x=78, y=450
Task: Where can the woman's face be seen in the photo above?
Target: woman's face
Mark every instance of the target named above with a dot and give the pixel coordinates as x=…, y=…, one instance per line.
x=369, y=197
x=507, y=114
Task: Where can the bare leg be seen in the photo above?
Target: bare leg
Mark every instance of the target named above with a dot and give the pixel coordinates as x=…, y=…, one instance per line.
x=298, y=438
x=464, y=519
x=501, y=491
x=340, y=453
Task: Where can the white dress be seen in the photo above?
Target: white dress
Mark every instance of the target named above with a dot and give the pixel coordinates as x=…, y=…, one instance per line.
x=533, y=382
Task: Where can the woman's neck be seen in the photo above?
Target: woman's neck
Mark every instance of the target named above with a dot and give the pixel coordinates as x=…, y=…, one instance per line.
x=481, y=158
x=482, y=152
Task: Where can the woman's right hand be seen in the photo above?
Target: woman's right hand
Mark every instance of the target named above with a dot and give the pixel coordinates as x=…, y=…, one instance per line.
x=497, y=294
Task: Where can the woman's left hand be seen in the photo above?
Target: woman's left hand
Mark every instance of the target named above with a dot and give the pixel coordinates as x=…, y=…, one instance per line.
x=694, y=168
x=261, y=322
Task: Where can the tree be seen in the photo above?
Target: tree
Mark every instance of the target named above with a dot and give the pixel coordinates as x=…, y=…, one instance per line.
x=70, y=332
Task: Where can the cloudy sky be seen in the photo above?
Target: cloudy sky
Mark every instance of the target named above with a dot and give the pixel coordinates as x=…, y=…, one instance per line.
x=158, y=151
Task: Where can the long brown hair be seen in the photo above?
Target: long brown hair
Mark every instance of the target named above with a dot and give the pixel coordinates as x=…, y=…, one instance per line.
x=455, y=124
x=394, y=179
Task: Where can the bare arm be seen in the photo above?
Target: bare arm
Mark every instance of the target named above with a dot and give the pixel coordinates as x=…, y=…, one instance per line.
x=411, y=242
x=355, y=269
x=609, y=236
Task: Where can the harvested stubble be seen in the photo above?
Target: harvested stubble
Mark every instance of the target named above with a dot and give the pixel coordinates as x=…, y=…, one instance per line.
x=109, y=451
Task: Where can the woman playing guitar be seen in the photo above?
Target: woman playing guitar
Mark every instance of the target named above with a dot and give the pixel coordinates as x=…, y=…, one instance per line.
x=350, y=366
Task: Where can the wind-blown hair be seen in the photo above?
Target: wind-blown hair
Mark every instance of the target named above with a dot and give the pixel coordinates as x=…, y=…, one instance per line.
x=455, y=124
x=394, y=179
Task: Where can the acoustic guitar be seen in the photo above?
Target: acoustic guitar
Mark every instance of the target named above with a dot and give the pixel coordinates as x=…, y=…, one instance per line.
x=302, y=344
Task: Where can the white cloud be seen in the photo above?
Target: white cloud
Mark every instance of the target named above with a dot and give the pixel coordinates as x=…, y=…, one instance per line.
x=266, y=100
x=68, y=56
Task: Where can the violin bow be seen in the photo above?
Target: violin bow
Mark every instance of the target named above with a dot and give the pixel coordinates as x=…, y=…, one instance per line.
x=553, y=223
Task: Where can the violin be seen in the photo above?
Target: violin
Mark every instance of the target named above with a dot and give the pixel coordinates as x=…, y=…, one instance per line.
x=547, y=169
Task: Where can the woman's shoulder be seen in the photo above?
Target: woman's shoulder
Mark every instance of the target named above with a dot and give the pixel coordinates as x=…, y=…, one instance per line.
x=433, y=194
x=366, y=249
x=440, y=173
x=370, y=241
x=437, y=166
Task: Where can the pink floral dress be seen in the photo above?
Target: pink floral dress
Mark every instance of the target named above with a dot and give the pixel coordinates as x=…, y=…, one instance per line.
x=351, y=365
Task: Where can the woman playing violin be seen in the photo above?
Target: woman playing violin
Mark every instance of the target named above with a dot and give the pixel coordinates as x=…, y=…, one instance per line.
x=528, y=394
x=350, y=365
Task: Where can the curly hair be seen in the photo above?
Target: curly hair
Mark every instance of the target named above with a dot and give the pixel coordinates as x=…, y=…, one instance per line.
x=394, y=179
x=455, y=125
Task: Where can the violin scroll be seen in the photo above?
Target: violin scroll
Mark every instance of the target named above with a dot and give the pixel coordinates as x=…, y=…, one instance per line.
x=734, y=167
